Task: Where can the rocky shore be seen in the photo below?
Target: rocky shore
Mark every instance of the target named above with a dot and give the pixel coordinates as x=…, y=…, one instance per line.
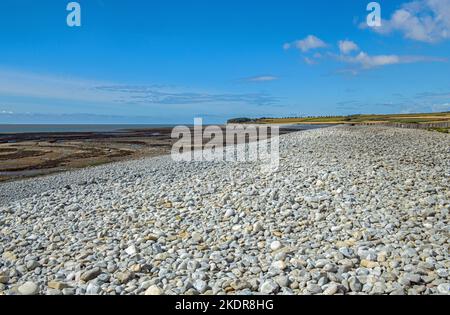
x=351, y=210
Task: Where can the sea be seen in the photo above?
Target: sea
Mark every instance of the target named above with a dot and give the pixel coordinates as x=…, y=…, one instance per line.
x=17, y=129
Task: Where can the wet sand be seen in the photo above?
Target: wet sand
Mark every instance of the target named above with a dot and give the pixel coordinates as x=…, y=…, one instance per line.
x=33, y=154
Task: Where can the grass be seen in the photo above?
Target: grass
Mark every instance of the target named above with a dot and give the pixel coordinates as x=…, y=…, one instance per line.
x=443, y=130
x=355, y=119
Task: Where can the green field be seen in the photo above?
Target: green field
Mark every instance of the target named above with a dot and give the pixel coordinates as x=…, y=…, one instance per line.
x=354, y=119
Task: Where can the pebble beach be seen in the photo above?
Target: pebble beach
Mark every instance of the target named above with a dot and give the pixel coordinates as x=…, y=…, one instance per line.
x=351, y=210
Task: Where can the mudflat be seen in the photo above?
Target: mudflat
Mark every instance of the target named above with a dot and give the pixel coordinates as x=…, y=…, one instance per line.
x=33, y=154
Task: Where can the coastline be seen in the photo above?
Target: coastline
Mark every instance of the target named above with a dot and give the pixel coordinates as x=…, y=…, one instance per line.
x=34, y=154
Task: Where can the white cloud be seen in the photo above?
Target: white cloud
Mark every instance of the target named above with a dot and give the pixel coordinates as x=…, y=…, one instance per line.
x=309, y=61
x=366, y=61
x=263, y=78
x=347, y=46
x=308, y=43
x=420, y=20
x=350, y=53
x=6, y=112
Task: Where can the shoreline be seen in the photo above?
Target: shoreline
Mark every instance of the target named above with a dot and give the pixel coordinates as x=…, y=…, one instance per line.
x=29, y=185
x=31, y=155
x=34, y=154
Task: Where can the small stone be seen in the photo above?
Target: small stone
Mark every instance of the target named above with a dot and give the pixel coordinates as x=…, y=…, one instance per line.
x=151, y=237
x=413, y=278
x=258, y=227
x=444, y=288
x=443, y=273
x=347, y=252
x=313, y=288
x=330, y=268
x=354, y=284
x=200, y=286
x=9, y=256
x=124, y=277
x=269, y=287
x=320, y=263
x=147, y=284
x=381, y=257
x=57, y=285
x=90, y=274
x=32, y=264
x=111, y=268
x=68, y=291
x=92, y=289
x=104, y=277
x=398, y=291
x=428, y=225
x=192, y=265
x=196, y=237
x=275, y=245
x=282, y=281
x=4, y=278
x=21, y=268
x=131, y=250
x=369, y=264
x=378, y=288
x=240, y=285
x=279, y=265
x=229, y=213
x=154, y=290
x=53, y=292
x=136, y=268
x=428, y=279
x=29, y=288
x=331, y=289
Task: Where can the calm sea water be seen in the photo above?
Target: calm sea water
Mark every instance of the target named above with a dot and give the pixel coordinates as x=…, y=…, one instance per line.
x=73, y=128
x=14, y=129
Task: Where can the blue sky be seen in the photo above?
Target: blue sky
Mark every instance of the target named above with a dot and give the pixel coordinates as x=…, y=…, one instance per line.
x=167, y=61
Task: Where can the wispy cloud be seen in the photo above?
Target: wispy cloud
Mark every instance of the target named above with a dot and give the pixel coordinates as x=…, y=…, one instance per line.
x=44, y=86
x=438, y=101
x=393, y=103
x=150, y=95
x=441, y=107
x=347, y=46
x=366, y=61
x=33, y=85
x=262, y=78
x=77, y=118
x=308, y=43
x=419, y=20
x=309, y=61
x=433, y=95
